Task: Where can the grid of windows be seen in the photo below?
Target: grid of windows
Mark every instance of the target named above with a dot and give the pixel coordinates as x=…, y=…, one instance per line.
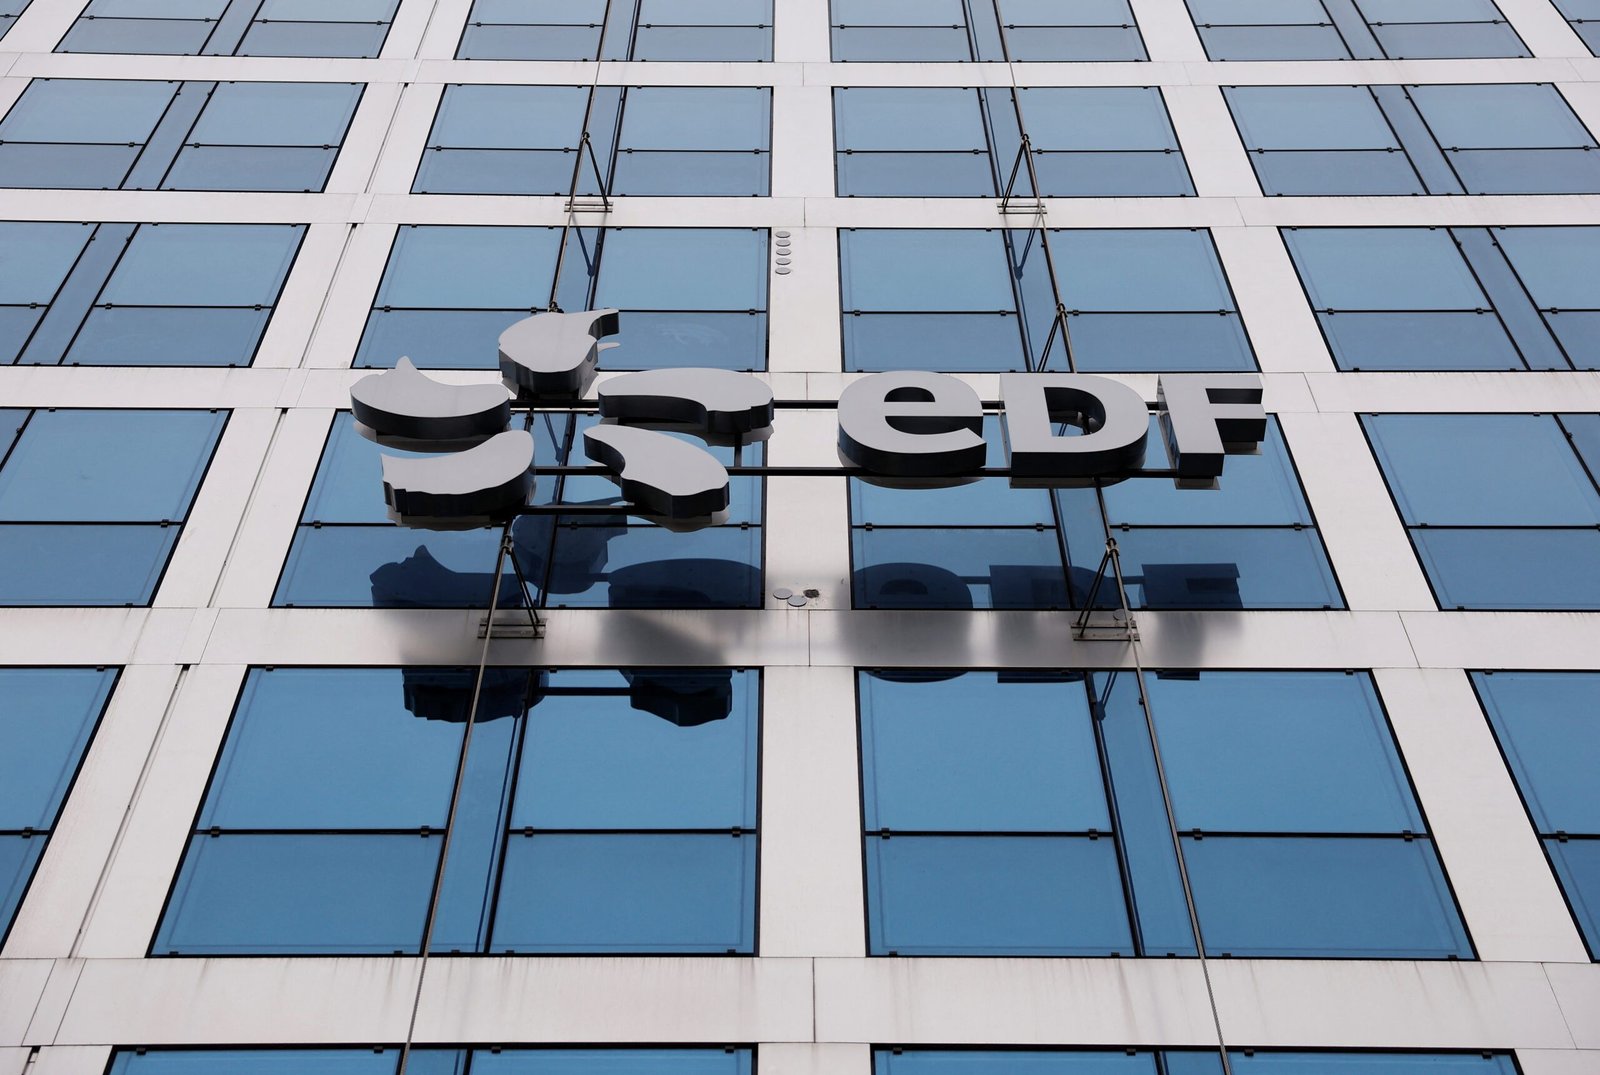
x=1439, y=139
x=985, y=30
x=1184, y=1062
x=726, y=30
x=940, y=142
x=1020, y=813
x=1548, y=725
x=47, y=716
x=689, y=296
x=599, y=811
x=1354, y=29
x=347, y=553
x=1251, y=544
x=114, y=133
x=653, y=140
x=140, y=294
x=1502, y=509
x=355, y=28
x=1454, y=298
x=998, y=300
x=497, y=1060
x=92, y=501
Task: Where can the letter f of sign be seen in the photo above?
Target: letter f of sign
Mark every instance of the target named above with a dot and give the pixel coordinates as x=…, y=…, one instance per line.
x=551, y=357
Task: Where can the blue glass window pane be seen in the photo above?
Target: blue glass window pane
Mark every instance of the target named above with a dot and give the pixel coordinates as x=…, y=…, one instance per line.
x=1499, y=116
x=648, y=567
x=247, y=168
x=706, y=175
x=36, y=257
x=436, y=339
x=204, y=265
x=627, y=893
x=1133, y=270
x=1258, y=11
x=161, y=37
x=258, y=1062
x=1225, y=568
x=495, y=171
x=1309, y=117
x=958, y=569
x=898, y=12
x=1483, y=470
x=158, y=9
x=575, y=12
x=988, y=502
x=1274, y=43
x=924, y=270
x=86, y=110
x=73, y=167
x=46, y=718
x=1560, y=267
x=1159, y=342
x=1035, y=43
x=82, y=564
x=985, y=895
x=692, y=117
x=18, y=856
x=1158, y=173
x=599, y=762
x=470, y=268
x=302, y=895
x=711, y=269
x=391, y=567
x=1333, y=1063
x=358, y=40
x=1548, y=725
x=107, y=465
x=484, y=40
x=706, y=12
x=1577, y=864
x=277, y=114
x=168, y=336
x=1253, y=490
x=510, y=117
x=1460, y=40
x=702, y=43
x=1052, y=12
x=1512, y=569
x=1527, y=171
x=1426, y=340
x=1097, y=118
x=323, y=10
x=1315, y=746
x=374, y=765
x=1428, y=10
x=611, y=1062
x=869, y=174
x=1584, y=429
x=1383, y=269
x=972, y=753
x=1011, y=1062
x=929, y=44
x=909, y=119
x=1320, y=897
x=936, y=341
x=1350, y=172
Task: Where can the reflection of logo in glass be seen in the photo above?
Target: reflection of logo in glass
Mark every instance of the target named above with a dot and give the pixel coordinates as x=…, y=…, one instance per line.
x=482, y=472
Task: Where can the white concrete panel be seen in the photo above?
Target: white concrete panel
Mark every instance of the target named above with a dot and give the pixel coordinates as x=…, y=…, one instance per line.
x=1168, y=32
x=447, y=20
x=41, y=27
x=802, y=142
x=1360, y=1004
x=53, y=636
x=811, y=894
x=1210, y=141
x=84, y=838
x=1276, y=314
x=343, y=313
x=803, y=322
x=173, y=636
x=800, y=32
x=1577, y=990
x=1508, y=896
x=196, y=565
x=22, y=983
x=1559, y=1061
x=352, y=173
x=1528, y=391
x=71, y=386
x=796, y=1059
x=685, y=999
x=151, y=845
x=223, y=1002
x=1013, y=1001
x=12, y=1061
x=304, y=298
x=267, y=530
x=1542, y=29
x=411, y=21
x=406, y=137
x=1527, y=640
x=71, y=1060
x=64, y=975
x=1365, y=539
x=807, y=535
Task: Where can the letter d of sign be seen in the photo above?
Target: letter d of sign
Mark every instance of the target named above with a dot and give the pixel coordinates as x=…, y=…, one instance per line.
x=911, y=425
x=1114, y=421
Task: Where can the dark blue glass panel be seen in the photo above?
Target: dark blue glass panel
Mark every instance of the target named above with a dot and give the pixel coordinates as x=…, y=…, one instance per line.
x=248, y=168
x=36, y=257
x=160, y=37
x=702, y=43
x=611, y=1061
x=1527, y=171
x=1138, y=270
x=490, y=41
x=1501, y=116
x=915, y=175
x=436, y=339
x=987, y=502
x=157, y=9
x=1129, y=175
x=1483, y=470
x=711, y=269
x=390, y=567
x=496, y=171
x=1315, y=745
x=1383, y=269
x=1193, y=568
x=277, y=114
x=1577, y=863
x=924, y=270
x=204, y=265
x=353, y=39
x=375, y=765
x=568, y=12
x=941, y=342
x=470, y=268
x=1548, y=725
x=82, y=564
x=1165, y=342
x=1421, y=340
x=1347, y=172
x=1459, y=40
x=1253, y=12
x=107, y=465
x=932, y=44
x=1512, y=569
x=602, y=762
x=1560, y=267
x=648, y=567
x=703, y=175
x=986, y=895
x=959, y=569
x=1309, y=117
x=510, y=117
x=260, y=1062
x=86, y=110
x=1257, y=489
x=1321, y=897
x=974, y=753
x=696, y=117
x=920, y=119
x=1123, y=117
x=1273, y=43
x=16, y=325
x=1011, y=1062
x=301, y=895
x=18, y=856
x=46, y=718
x=81, y=167
x=627, y=893
x=168, y=336
x=1043, y=43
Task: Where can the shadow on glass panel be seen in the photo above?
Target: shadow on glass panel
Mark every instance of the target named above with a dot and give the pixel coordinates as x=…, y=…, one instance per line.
x=685, y=583
x=911, y=586
x=687, y=699
x=1211, y=586
x=421, y=581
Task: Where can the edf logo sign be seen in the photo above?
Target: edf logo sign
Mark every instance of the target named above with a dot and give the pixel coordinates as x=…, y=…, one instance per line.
x=1062, y=428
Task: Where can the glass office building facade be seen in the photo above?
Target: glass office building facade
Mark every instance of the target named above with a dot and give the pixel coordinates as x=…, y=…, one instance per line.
x=861, y=780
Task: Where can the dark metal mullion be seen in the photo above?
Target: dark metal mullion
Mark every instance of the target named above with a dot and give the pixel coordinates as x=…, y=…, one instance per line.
x=90, y=274
x=226, y=37
x=1405, y=91
x=1463, y=239
x=166, y=141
